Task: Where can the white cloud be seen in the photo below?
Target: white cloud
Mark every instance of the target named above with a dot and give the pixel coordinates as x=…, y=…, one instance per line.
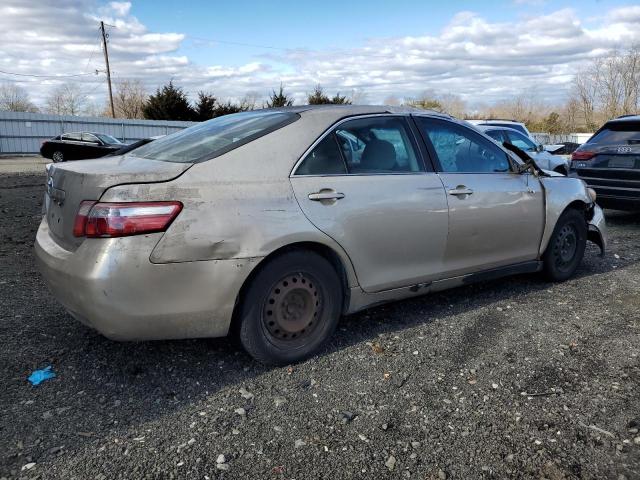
x=472, y=56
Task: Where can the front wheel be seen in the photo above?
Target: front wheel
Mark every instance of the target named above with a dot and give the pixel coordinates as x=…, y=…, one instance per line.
x=290, y=309
x=57, y=156
x=566, y=246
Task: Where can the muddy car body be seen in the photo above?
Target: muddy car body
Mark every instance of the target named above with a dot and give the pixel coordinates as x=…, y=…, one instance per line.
x=308, y=214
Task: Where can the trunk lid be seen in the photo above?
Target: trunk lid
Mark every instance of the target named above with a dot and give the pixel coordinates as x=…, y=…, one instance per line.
x=70, y=183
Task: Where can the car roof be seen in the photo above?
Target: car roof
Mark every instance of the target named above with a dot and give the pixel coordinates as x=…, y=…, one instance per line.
x=624, y=119
x=353, y=110
x=486, y=128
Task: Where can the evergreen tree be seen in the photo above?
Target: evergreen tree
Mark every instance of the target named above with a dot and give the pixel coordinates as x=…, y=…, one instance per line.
x=317, y=97
x=168, y=103
x=279, y=99
x=228, y=107
x=340, y=100
x=205, y=107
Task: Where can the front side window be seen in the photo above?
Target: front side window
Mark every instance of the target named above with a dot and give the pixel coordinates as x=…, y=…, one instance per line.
x=88, y=137
x=108, y=138
x=461, y=150
x=372, y=145
x=520, y=141
x=215, y=137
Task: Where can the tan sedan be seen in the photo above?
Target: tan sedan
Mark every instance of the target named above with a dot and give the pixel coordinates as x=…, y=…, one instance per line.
x=272, y=224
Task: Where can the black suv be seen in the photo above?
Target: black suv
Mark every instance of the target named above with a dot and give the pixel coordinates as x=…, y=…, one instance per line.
x=610, y=163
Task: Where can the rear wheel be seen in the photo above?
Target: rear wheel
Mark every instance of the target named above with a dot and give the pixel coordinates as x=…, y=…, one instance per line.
x=57, y=156
x=290, y=309
x=566, y=246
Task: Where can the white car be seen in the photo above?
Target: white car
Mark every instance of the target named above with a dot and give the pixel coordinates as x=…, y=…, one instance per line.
x=519, y=126
x=543, y=158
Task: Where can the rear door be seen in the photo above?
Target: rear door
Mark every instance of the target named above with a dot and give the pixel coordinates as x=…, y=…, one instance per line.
x=496, y=216
x=73, y=146
x=365, y=185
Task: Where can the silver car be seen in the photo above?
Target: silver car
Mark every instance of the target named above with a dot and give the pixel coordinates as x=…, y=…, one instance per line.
x=271, y=224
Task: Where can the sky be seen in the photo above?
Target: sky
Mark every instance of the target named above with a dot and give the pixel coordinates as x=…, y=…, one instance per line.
x=483, y=51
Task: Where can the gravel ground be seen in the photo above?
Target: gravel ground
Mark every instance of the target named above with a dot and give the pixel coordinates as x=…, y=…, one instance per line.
x=511, y=378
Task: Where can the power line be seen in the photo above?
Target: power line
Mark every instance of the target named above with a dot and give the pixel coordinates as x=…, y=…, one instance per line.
x=352, y=53
x=48, y=76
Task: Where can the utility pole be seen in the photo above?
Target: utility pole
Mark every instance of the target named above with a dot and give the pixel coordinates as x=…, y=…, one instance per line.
x=106, y=61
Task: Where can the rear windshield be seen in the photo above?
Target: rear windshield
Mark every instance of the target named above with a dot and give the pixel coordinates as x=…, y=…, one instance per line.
x=623, y=133
x=213, y=138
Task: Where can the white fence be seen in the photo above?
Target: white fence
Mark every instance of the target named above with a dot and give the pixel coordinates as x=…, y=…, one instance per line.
x=24, y=132
x=556, y=139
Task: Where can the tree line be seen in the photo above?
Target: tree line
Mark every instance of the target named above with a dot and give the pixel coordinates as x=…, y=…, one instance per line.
x=604, y=88
x=169, y=102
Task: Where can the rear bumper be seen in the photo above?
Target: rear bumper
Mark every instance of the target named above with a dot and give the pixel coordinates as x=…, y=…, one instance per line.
x=597, y=232
x=618, y=193
x=111, y=286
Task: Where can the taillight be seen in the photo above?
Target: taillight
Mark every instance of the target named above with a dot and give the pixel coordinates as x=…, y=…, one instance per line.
x=582, y=155
x=81, y=217
x=106, y=219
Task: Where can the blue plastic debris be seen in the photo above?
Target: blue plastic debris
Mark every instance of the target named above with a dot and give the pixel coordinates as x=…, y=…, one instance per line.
x=39, y=376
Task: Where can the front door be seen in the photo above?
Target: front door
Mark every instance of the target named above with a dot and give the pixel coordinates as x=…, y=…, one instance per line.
x=496, y=216
x=365, y=185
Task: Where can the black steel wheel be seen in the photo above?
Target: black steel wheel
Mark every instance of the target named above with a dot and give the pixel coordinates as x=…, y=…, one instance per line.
x=566, y=246
x=290, y=308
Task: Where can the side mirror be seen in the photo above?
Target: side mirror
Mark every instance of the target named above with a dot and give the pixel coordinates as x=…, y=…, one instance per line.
x=540, y=148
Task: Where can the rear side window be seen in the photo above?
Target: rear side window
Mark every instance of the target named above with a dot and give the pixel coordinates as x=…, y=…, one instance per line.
x=73, y=137
x=324, y=159
x=215, y=137
x=372, y=145
x=622, y=133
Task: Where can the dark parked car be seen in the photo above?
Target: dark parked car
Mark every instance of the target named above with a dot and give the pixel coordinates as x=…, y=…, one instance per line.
x=79, y=146
x=134, y=145
x=609, y=162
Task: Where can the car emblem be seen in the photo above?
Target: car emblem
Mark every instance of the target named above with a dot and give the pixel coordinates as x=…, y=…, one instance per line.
x=623, y=149
x=55, y=194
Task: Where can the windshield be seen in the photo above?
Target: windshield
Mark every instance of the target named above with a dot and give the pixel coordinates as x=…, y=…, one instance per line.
x=213, y=138
x=627, y=133
x=515, y=126
x=107, y=138
x=522, y=142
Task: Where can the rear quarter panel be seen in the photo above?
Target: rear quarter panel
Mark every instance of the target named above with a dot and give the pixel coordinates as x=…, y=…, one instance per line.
x=239, y=205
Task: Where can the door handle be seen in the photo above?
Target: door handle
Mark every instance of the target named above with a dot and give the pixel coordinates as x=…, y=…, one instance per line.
x=325, y=194
x=460, y=190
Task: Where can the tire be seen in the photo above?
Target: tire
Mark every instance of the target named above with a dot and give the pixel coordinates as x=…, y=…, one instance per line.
x=566, y=246
x=57, y=156
x=290, y=308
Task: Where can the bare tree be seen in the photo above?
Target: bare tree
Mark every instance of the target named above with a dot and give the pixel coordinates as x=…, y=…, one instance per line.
x=608, y=87
x=129, y=99
x=15, y=99
x=66, y=99
x=445, y=103
x=584, y=92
